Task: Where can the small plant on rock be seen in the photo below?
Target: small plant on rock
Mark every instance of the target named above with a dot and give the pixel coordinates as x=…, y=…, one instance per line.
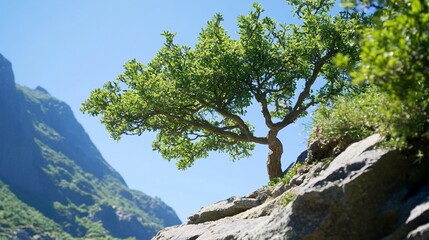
x=295, y=169
x=287, y=198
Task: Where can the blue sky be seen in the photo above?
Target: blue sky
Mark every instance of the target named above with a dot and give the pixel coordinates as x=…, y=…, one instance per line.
x=72, y=47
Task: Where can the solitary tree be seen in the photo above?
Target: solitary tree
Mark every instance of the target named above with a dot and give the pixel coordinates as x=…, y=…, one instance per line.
x=195, y=98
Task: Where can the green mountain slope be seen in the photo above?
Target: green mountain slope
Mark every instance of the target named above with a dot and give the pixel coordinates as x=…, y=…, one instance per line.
x=19, y=220
x=49, y=162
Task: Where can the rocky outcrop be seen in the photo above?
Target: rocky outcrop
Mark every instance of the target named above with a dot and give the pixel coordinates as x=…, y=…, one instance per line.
x=364, y=193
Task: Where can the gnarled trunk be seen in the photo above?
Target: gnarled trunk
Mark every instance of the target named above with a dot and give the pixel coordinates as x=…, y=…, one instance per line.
x=274, y=164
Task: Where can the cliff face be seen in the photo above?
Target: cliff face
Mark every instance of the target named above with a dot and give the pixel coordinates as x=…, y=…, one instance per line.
x=364, y=193
x=18, y=151
x=48, y=161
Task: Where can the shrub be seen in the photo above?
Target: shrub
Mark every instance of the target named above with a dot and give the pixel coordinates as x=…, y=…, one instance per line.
x=287, y=198
x=394, y=63
x=373, y=111
x=288, y=176
x=352, y=116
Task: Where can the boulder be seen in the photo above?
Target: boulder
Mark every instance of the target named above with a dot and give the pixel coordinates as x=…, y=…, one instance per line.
x=321, y=148
x=226, y=208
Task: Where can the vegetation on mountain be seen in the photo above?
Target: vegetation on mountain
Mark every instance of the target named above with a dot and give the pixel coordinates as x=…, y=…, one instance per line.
x=394, y=66
x=54, y=182
x=86, y=197
x=196, y=99
x=17, y=218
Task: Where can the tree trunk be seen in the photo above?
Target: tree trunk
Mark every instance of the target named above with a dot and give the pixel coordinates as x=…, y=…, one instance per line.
x=274, y=164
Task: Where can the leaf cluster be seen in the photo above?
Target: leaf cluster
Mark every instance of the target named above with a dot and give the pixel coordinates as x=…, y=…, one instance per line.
x=395, y=59
x=394, y=63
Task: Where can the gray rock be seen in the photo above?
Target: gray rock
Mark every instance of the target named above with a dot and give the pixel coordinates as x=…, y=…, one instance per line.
x=226, y=208
x=365, y=193
x=320, y=149
x=279, y=189
x=351, y=199
x=415, y=211
x=226, y=229
x=261, y=194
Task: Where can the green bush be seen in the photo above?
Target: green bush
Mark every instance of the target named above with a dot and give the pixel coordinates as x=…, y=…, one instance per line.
x=394, y=63
x=373, y=111
x=352, y=116
x=287, y=198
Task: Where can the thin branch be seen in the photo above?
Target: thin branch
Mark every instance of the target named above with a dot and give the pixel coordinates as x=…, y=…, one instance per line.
x=262, y=99
x=299, y=108
x=216, y=130
x=241, y=124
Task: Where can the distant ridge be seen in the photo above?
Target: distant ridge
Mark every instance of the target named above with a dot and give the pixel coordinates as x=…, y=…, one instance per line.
x=49, y=163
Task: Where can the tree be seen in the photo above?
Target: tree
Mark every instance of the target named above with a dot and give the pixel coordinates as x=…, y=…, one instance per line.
x=195, y=98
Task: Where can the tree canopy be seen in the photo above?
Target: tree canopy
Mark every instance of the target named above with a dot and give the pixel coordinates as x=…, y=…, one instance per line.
x=195, y=97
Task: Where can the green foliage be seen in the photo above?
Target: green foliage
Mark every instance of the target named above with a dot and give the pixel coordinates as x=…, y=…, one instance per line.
x=356, y=117
x=16, y=215
x=352, y=116
x=195, y=98
x=287, y=198
x=288, y=176
x=395, y=64
x=395, y=59
x=394, y=52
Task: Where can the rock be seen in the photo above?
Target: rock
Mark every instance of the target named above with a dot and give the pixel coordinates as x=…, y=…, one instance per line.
x=324, y=148
x=279, y=189
x=261, y=194
x=226, y=208
x=226, y=229
x=297, y=180
x=365, y=193
x=417, y=209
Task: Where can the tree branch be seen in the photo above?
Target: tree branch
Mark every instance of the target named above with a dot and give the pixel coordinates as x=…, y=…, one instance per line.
x=299, y=108
x=241, y=124
x=262, y=99
x=221, y=131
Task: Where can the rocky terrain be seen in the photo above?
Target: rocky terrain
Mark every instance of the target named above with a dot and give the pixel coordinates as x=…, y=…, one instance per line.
x=366, y=192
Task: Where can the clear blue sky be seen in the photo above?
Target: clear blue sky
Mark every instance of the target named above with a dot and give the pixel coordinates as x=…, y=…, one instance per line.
x=72, y=47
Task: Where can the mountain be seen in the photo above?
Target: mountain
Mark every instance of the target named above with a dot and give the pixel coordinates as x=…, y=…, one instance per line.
x=49, y=166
